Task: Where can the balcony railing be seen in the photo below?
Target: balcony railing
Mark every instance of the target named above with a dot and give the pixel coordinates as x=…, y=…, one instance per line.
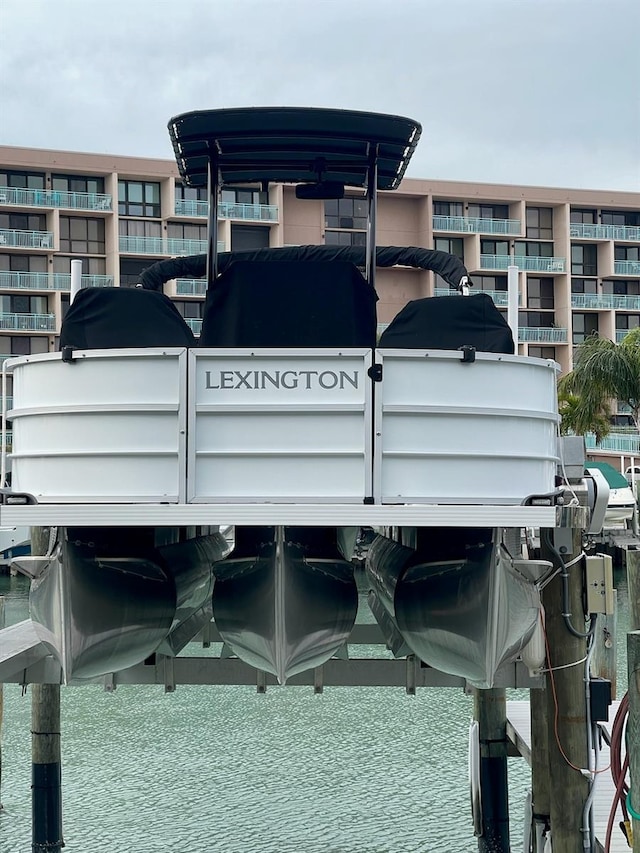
x=191, y=286
x=194, y=323
x=622, y=333
x=228, y=210
x=616, y=442
x=531, y=263
x=542, y=335
x=500, y=297
x=626, y=267
x=26, y=239
x=586, y=231
x=477, y=225
x=164, y=246
x=605, y=300
x=55, y=198
x=28, y=322
x=44, y=281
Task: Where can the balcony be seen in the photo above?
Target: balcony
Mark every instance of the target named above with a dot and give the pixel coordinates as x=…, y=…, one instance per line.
x=500, y=297
x=531, y=263
x=542, y=335
x=621, y=334
x=626, y=267
x=477, y=225
x=194, y=323
x=616, y=442
x=28, y=322
x=228, y=210
x=55, y=198
x=604, y=232
x=605, y=301
x=44, y=281
x=26, y=239
x=191, y=286
x=164, y=246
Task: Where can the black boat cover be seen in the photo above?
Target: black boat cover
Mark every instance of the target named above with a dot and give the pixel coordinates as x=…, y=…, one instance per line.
x=108, y=318
x=292, y=145
x=450, y=322
x=290, y=304
x=448, y=266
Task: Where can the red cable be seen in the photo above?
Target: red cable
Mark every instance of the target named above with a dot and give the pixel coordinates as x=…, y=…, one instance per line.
x=618, y=769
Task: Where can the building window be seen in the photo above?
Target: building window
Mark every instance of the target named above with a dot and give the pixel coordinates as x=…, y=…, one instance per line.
x=620, y=217
x=533, y=250
x=346, y=213
x=242, y=195
x=584, y=259
x=24, y=221
x=187, y=231
x=90, y=266
x=81, y=235
x=621, y=288
x=626, y=253
x=539, y=223
x=22, y=304
x=191, y=193
x=488, y=211
x=536, y=320
x=583, y=217
x=583, y=326
x=190, y=309
x=23, y=263
x=452, y=245
x=490, y=282
x=345, y=238
x=23, y=344
x=77, y=184
x=494, y=247
x=540, y=293
x=138, y=198
x=139, y=228
x=584, y=285
x=22, y=180
x=249, y=237
x=447, y=208
x=130, y=269
x=542, y=352
x=625, y=322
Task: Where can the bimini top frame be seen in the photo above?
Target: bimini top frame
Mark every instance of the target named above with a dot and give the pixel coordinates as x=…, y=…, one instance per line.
x=292, y=145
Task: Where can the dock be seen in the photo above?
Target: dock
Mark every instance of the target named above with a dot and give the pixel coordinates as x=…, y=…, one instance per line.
x=519, y=735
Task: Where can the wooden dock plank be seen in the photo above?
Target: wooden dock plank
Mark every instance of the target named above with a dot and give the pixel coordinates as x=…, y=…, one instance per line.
x=519, y=733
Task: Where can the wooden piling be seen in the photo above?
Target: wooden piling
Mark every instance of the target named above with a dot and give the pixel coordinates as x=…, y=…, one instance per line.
x=566, y=704
x=540, y=773
x=2, y=622
x=490, y=711
x=633, y=733
x=46, y=777
x=633, y=581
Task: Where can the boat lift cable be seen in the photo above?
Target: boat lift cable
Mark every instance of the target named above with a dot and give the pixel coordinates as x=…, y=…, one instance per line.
x=619, y=770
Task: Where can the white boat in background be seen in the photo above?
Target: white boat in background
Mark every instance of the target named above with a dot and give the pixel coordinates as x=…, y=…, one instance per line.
x=288, y=422
x=622, y=506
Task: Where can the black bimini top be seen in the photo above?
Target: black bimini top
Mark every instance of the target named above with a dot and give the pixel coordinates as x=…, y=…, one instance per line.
x=288, y=144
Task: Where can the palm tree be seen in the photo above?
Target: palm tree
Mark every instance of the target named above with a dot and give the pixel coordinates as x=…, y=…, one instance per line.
x=603, y=370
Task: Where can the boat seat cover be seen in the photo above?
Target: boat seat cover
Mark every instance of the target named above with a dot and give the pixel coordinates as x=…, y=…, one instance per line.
x=289, y=304
x=100, y=318
x=450, y=322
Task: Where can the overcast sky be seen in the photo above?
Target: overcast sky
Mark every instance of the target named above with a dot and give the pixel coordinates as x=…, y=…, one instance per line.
x=540, y=92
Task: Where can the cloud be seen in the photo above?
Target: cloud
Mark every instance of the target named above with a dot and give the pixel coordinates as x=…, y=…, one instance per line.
x=515, y=91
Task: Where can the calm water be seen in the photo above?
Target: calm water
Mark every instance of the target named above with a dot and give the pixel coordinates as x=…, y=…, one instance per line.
x=226, y=770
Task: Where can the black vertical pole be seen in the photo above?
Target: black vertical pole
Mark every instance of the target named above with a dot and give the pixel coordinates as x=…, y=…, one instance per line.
x=212, y=231
x=46, y=776
x=372, y=199
x=490, y=712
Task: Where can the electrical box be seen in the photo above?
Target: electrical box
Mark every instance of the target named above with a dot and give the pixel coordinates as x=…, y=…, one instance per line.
x=599, y=583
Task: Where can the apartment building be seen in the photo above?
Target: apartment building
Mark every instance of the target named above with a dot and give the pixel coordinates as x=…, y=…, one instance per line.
x=578, y=251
